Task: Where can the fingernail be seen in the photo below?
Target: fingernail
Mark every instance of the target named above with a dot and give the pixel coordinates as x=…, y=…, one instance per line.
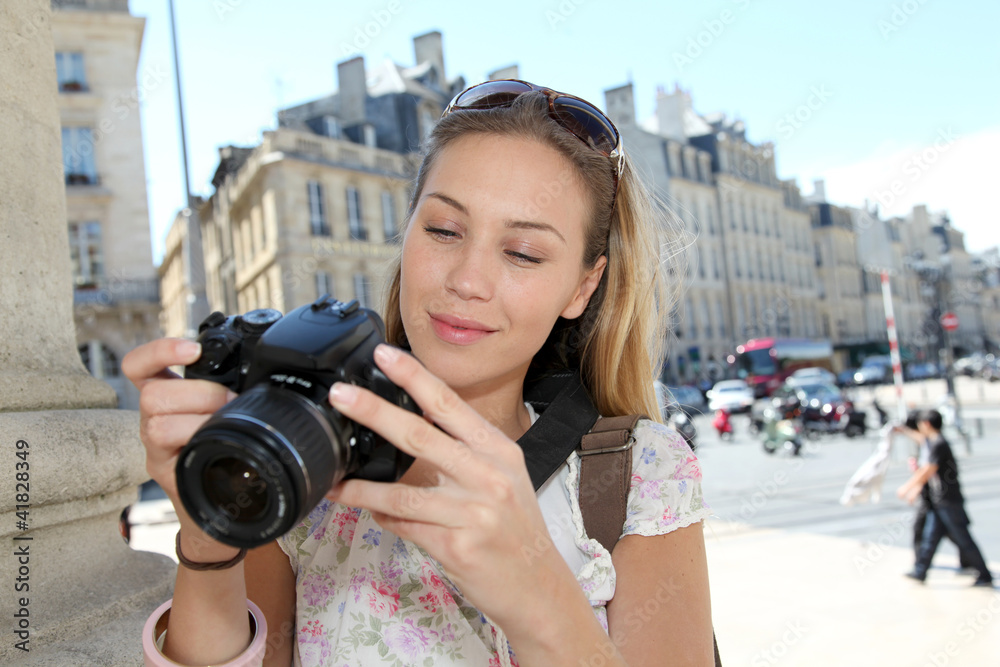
x=189, y=349
x=343, y=393
x=231, y=396
x=386, y=354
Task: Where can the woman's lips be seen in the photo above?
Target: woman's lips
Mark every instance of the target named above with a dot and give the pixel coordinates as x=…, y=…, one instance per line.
x=459, y=331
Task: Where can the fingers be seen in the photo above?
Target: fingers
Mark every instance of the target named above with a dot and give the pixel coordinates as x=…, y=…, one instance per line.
x=408, y=431
x=170, y=396
x=153, y=359
x=440, y=403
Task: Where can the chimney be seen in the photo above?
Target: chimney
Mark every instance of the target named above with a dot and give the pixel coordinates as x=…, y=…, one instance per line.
x=819, y=190
x=427, y=48
x=670, y=108
x=620, y=105
x=353, y=91
x=509, y=72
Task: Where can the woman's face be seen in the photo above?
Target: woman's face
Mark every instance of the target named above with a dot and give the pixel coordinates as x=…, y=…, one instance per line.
x=493, y=254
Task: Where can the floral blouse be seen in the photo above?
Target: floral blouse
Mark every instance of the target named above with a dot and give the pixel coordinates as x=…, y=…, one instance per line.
x=365, y=596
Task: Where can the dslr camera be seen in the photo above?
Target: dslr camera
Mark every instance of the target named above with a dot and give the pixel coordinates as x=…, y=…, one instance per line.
x=259, y=465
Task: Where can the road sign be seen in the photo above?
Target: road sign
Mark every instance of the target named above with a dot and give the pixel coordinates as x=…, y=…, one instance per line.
x=949, y=321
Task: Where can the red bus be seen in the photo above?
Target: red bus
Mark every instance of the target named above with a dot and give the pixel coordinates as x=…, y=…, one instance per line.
x=765, y=363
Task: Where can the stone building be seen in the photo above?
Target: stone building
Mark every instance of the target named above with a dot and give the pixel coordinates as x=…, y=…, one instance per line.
x=841, y=280
x=82, y=593
x=116, y=298
x=746, y=234
x=317, y=206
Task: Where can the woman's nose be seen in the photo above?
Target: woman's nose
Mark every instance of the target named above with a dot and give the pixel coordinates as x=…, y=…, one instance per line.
x=471, y=275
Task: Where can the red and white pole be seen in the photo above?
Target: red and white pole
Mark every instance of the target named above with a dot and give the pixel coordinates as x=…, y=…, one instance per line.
x=897, y=364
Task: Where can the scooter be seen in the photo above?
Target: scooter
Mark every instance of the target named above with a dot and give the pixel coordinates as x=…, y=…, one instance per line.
x=781, y=433
x=722, y=424
x=685, y=427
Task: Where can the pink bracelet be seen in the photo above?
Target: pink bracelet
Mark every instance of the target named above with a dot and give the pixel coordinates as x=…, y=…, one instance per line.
x=155, y=631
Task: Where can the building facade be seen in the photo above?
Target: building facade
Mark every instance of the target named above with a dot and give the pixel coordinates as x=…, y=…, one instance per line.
x=116, y=298
x=317, y=207
x=748, y=269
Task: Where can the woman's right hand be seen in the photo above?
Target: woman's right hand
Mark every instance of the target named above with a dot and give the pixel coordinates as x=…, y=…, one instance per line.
x=171, y=409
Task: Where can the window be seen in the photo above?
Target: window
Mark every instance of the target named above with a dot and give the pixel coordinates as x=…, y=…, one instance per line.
x=99, y=360
x=317, y=212
x=85, y=253
x=369, y=136
x=78, y=156
x=692, y=328
x=69, y=72
x=331, y=127
x=701, y=262
x=324, y=284
x=362, y=289
x=358, y=232
x=389, y=217
x=720, y=317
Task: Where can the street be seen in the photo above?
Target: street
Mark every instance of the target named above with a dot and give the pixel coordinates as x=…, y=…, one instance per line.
x=799, y=579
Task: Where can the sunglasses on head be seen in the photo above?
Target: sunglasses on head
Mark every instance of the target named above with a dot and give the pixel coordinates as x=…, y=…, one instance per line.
x=578, y=117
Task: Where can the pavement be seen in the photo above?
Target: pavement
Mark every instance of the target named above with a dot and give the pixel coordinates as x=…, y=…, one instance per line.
x=799, y=580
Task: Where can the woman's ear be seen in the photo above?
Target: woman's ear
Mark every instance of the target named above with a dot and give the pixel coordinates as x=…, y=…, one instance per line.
x=588, y=284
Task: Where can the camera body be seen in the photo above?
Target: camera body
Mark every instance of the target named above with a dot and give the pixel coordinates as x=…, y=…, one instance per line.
x=260, y=464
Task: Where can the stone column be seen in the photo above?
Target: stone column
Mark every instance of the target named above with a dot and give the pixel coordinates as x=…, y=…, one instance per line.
x=65, y=572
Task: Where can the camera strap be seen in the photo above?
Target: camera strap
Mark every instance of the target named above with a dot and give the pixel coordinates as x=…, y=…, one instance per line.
x=566, y=414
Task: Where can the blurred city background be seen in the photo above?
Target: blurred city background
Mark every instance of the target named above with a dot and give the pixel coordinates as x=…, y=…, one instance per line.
x=820, y=161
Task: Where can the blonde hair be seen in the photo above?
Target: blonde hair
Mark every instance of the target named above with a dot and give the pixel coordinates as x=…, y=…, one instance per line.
x=619, y=341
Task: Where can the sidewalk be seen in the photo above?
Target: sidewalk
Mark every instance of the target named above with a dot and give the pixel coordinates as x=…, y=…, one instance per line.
x=782, y=598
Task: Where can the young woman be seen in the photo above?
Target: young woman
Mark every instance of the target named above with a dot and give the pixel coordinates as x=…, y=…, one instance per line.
x=529, y=242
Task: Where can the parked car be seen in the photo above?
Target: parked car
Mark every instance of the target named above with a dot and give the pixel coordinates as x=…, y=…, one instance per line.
x=845, y=378
x=734, y=396
x=689, y=399
x=922, y=371
x=813, y=375
x=973, y=364
x=991, y=370
x=822, y=408
x=872, y=374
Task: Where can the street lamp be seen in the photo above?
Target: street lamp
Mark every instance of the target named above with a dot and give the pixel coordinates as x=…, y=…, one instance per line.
x=935, y=285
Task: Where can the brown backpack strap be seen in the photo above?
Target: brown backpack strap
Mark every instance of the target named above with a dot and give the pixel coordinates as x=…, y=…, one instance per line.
x=606, y=476
x=605, y=479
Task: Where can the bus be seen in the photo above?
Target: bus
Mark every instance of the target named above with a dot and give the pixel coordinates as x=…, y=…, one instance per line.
x=765, y=363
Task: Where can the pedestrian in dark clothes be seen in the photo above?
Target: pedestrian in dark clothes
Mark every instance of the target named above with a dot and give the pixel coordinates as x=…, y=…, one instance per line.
x=920, y=520
x=938, y=471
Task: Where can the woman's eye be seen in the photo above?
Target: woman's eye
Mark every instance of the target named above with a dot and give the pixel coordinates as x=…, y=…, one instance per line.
x=438, y=232
x=520, y=257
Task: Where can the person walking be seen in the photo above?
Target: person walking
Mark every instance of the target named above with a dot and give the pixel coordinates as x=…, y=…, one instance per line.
x=938, y=472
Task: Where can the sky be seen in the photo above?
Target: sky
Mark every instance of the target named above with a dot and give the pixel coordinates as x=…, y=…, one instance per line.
x=896, y=102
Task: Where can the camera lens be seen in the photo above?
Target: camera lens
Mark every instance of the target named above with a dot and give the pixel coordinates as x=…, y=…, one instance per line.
x=232, y=482
x=261, y=463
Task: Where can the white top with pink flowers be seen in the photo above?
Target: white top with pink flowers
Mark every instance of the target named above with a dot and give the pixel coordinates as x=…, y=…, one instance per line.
x=365, y=596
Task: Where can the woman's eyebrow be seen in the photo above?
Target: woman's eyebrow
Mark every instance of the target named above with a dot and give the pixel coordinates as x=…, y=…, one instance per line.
x=449, y=201
x=510, y=224
x=527, y=224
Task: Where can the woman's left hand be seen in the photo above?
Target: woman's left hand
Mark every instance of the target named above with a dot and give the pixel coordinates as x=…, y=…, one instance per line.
x=481, y=520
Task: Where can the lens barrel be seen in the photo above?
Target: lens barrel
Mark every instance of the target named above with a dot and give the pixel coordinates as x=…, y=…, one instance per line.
x=242, y=478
